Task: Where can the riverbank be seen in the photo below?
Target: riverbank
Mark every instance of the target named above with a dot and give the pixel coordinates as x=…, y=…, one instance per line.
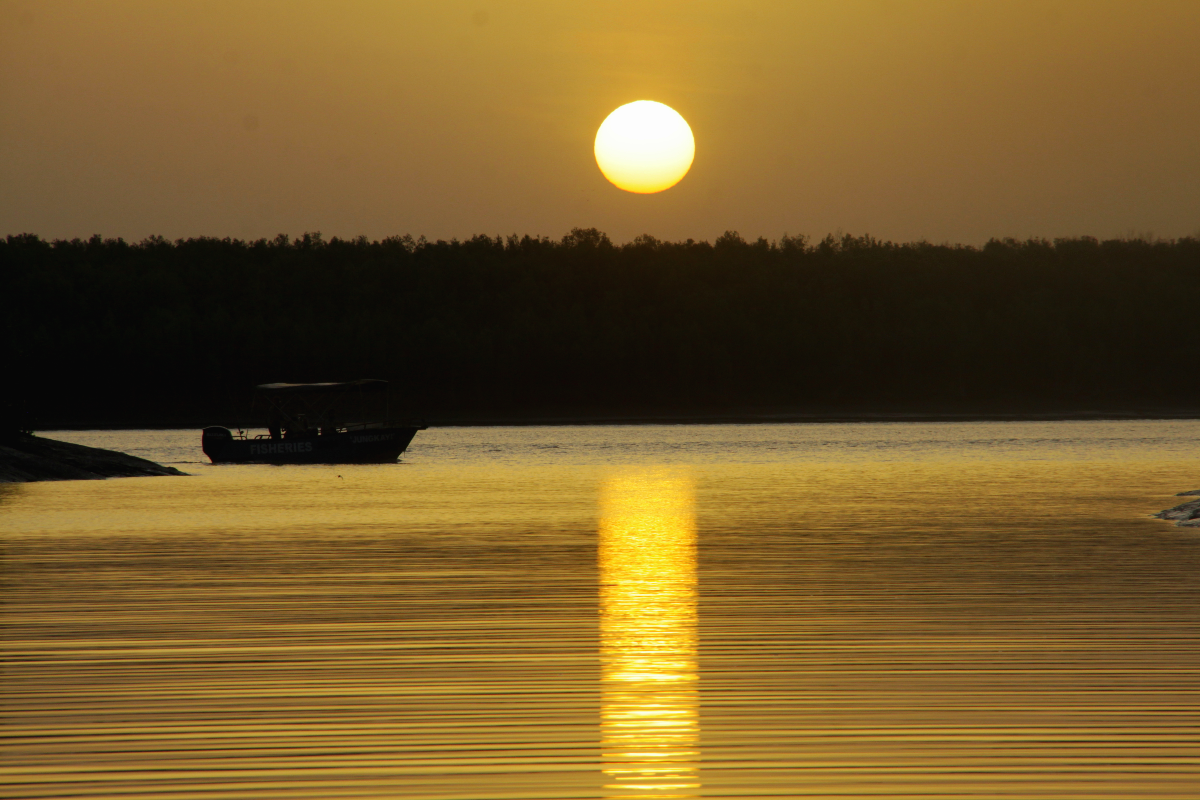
x=25, y=459
x=654, y=417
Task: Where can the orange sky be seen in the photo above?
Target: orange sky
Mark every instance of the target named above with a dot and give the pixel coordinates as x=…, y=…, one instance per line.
x=936, y=119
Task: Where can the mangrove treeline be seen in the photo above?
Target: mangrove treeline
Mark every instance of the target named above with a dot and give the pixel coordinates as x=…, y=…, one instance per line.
x=106, y=331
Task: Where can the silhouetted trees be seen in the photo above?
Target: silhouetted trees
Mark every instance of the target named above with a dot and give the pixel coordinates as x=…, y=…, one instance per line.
x=104, y=330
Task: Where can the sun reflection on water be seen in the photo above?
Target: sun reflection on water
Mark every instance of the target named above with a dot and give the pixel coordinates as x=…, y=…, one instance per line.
x=649, y=708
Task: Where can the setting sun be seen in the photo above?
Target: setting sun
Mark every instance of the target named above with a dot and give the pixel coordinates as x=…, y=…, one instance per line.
x=645, y=147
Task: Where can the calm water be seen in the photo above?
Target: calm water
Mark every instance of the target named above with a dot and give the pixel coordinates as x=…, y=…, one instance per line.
x=975, y=610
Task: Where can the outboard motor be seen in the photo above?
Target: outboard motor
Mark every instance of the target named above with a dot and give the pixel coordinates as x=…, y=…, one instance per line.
x=215, y=440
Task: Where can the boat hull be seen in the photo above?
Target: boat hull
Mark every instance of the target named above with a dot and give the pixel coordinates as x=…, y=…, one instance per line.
x=368, y=446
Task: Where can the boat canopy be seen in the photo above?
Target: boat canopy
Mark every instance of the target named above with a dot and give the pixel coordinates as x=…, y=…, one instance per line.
x=366, y=385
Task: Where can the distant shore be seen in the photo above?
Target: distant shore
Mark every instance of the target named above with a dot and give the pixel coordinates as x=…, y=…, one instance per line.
x=527, y=330
x=665, y=418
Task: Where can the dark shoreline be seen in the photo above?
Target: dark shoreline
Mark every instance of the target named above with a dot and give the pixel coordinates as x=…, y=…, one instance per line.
x=732, y=418
x=530, y=331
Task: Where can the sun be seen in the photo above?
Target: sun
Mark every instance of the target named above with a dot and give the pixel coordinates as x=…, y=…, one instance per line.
x=645, y=147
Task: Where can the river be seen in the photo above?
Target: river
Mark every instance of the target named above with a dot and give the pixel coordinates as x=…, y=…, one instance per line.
x=894, y=610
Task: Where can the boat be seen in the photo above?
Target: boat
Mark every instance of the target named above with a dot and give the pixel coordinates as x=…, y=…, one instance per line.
x=316, y=423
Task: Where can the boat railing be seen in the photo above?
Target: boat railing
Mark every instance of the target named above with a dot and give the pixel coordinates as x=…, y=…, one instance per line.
x=361, y=426
x=346, y=428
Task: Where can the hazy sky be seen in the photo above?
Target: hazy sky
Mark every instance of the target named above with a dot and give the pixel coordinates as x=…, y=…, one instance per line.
x=937, y=119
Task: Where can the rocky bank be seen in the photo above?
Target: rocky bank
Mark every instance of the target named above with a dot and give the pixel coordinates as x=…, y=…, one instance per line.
x=31, y=458
x=1185, y=515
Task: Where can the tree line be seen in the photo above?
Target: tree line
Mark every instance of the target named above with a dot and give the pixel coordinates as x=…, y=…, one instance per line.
x=104, y=331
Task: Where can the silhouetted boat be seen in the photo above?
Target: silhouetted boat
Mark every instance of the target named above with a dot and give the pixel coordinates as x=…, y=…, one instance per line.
x=305, y=427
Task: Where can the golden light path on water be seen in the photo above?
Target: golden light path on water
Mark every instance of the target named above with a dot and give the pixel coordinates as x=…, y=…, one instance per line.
x=649, y=704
